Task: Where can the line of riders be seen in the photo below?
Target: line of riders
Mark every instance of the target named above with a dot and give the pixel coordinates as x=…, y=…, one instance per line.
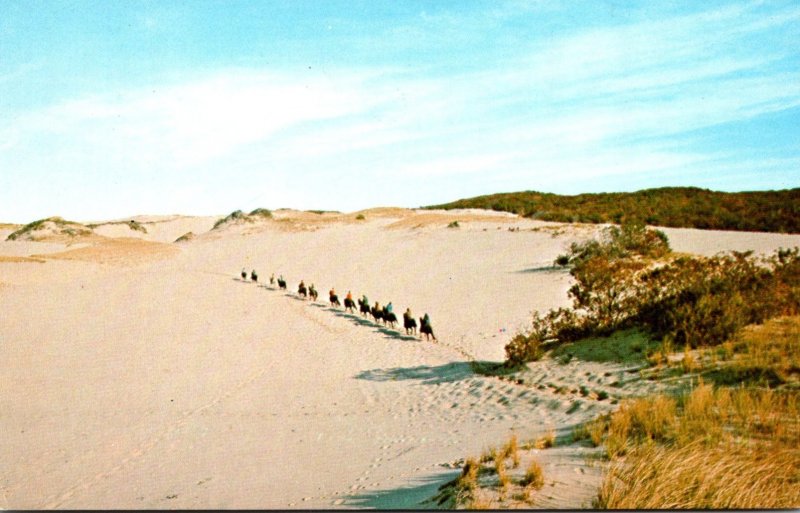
x=379, y=313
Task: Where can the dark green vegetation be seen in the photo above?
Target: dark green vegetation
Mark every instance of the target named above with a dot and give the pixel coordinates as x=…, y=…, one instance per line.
x=681, y=207
x=70, y=228
x=237, y=216
x=630, y=279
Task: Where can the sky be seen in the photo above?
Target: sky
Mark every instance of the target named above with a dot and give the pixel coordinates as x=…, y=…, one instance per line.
x=117, y=108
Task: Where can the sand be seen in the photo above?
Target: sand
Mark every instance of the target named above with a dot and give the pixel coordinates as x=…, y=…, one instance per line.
x=139, y=373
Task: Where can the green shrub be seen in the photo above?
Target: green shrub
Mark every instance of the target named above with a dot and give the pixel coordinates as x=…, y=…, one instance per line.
x=623, y=281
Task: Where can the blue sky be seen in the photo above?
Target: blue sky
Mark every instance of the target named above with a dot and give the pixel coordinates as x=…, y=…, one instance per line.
x=116, y=108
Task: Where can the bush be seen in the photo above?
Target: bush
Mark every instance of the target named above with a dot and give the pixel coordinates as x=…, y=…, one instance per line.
x=623, y=281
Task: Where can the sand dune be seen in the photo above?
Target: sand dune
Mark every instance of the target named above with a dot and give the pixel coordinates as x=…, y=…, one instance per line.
x=145, y=374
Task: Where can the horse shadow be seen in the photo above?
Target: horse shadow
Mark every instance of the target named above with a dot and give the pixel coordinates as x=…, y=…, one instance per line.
x=362, y=321
x=420, y=495
x=395, y=334
x=425, y=374
x=547, y=269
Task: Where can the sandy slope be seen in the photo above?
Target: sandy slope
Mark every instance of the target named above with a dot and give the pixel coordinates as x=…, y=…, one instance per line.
x=144, y=375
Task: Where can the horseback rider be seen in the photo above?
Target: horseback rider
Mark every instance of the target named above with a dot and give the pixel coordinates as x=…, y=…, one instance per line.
x=253, y=275
x=349, y=296
x=244, y=273
x=388, y=308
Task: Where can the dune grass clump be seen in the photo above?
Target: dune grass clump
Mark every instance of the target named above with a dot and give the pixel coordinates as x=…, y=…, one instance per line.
x=133, y=225
x=711, y=448
x=453, y=224
x=261, y=212
x=360, y=217
x=65, y=227
x=511, y=450
x=534, y=476
x=186, y=237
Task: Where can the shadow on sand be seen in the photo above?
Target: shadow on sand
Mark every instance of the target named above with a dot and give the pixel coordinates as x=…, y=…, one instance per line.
x=362, y=321
x=417, y=496
x=549, y=269
x=447, y=373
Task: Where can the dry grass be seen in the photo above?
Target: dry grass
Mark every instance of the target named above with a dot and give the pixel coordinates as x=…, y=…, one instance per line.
x=767, y=354
x=708, y=449
x=534, y=476
x=511, y=450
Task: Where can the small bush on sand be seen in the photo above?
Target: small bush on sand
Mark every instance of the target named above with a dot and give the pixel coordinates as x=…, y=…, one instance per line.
x=453, y=224
x=360, y=217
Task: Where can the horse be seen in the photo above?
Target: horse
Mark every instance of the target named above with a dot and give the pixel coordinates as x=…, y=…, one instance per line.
x=426, y=329
x=254, y=276
x=410, y=324
x=312, y=292
x=334, y=300
x=364, y=307
x=377, y=314
x=281, y=284
x=244, y=275
x=302, y=290
x=349, y=304
x=389, y=318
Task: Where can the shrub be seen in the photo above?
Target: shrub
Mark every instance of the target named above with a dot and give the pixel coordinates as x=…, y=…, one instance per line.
x=453, y=224
x=360, y=217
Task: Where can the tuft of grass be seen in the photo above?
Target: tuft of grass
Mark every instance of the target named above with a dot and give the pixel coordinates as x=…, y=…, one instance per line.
x=502, y=474
x=511, y=450
x=534, y=476
x=488, y=455
x=360, y=217
x=453, y=224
